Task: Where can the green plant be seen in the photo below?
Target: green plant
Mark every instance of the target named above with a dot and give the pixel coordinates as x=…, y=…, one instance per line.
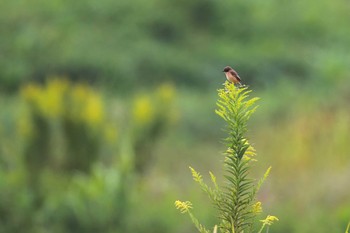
x=65, y=124
x=151, y=115
x=236, y=199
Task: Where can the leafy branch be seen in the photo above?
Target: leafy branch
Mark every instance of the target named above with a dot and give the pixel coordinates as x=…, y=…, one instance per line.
x=236, y=199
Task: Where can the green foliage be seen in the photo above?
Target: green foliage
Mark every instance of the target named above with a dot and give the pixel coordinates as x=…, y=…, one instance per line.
x=119, y=40
x=89, y=203
x=236, y=199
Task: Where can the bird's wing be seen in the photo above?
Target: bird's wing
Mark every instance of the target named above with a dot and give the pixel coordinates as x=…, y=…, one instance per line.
x=234, y=73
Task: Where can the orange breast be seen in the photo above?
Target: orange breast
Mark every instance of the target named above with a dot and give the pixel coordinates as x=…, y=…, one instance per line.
x=231, y=78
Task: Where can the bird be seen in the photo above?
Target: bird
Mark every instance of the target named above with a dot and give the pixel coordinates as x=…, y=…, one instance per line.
x=232, y=76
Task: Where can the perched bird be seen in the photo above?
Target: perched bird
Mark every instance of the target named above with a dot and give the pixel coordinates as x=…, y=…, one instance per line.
x=232, y=75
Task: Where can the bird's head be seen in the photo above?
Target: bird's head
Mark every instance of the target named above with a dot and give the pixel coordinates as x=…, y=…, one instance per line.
x=227, y=69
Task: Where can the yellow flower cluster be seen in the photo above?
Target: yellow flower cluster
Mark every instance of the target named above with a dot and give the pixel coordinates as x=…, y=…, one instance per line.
x=59, y=98
x=166, y=92
x=269, y=220
x=87, y=105
x=48, y=100
x=148, y=108
x=257, y=208
x=143, y=110
x=183, y=206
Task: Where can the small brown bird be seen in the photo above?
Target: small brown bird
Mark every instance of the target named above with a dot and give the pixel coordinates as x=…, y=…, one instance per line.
x=232, y=75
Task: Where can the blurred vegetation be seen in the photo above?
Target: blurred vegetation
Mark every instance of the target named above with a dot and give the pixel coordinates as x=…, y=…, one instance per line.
x=141, y=42
x=74, y=161
x=75, y=110
x=104, y=104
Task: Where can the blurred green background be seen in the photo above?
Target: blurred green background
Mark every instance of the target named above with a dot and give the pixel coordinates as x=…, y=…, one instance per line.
x=105, y=104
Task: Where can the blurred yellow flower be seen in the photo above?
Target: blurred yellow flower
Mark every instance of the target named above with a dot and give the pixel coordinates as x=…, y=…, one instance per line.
x=30, y=92
x=48, y=100
x=60, y=98
x=166, y=92
x=93, y=111
x=257, y=208
x=51, y=102
x=269, y=220
x=143, y=111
